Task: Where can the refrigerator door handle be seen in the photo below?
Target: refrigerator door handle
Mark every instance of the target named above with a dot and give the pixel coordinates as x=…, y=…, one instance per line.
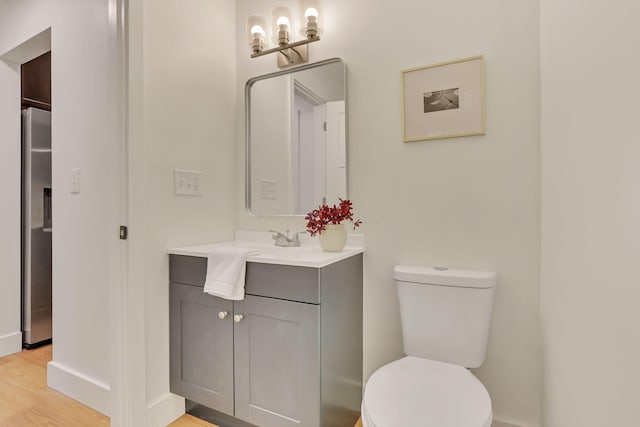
x=46, y=210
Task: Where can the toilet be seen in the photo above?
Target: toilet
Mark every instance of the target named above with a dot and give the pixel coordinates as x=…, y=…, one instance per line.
x=445, y=315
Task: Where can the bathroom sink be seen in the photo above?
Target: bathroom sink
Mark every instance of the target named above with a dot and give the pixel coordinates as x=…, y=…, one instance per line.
x=310, y=254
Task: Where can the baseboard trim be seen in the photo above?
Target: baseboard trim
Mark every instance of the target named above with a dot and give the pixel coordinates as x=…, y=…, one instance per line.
x=10, y=344
x=84, y=389
x=165, y=410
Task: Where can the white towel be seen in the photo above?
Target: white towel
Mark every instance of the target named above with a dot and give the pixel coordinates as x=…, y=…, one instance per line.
x=226, y=269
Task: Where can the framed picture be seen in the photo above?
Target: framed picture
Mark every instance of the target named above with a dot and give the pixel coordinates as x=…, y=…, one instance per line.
x=444, y=100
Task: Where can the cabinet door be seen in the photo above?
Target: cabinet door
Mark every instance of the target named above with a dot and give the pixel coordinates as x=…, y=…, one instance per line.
x=277, y=362
x=201, y=347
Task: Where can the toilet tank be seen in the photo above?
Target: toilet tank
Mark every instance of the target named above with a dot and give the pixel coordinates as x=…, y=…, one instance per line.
x=445, y=313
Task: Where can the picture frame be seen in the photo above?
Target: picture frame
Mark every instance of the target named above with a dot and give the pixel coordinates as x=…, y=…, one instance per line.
x=444, y=100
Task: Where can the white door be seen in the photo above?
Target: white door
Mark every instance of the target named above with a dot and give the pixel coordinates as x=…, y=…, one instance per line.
x=336, y=152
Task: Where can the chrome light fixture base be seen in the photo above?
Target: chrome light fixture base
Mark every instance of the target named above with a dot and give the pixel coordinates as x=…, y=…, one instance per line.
x=293, y=56
x=290, y=53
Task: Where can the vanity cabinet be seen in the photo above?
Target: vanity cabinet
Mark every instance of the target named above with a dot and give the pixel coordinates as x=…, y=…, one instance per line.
x=289, y=354
x=277, y=362
x=198, y=337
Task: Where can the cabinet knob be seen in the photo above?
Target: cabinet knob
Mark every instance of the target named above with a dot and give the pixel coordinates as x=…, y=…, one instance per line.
x=237, y=318
x=223, y=315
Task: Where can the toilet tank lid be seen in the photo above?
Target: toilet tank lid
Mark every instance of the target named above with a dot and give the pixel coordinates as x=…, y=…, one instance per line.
x=444, y=276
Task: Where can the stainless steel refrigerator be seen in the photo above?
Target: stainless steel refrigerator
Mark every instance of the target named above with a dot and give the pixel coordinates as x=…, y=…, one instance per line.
x=36, y=226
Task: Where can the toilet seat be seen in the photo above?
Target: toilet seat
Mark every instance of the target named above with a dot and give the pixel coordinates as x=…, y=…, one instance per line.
x=415, y=392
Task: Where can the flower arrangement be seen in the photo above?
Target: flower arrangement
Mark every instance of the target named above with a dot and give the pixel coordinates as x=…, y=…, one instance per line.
x=318, y=219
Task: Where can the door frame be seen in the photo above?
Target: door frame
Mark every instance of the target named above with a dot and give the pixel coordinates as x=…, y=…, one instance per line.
x=127, y=326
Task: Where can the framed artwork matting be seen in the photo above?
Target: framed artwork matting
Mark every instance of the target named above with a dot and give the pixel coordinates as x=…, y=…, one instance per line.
x=444, y=100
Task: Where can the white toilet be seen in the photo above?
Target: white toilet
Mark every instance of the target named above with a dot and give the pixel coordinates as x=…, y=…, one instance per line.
x=445, y=316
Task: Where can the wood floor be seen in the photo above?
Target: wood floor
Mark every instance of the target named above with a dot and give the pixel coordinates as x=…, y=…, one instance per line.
x=26, y=401
x=188, y=421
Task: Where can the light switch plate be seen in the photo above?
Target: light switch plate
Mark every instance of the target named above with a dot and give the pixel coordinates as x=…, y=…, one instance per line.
x=187, y=182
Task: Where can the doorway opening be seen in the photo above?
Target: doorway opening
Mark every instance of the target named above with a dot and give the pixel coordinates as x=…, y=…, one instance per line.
x=11, y=260
x=36, y=202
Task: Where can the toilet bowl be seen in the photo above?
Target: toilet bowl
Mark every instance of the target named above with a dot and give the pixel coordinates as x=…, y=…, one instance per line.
x=445, y=324
x=415, y=392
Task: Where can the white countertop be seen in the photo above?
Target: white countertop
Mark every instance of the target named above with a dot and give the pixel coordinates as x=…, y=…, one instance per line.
x=310, y=254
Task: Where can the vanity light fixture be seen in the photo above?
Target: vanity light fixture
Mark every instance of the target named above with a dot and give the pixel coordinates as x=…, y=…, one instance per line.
x=289, y=52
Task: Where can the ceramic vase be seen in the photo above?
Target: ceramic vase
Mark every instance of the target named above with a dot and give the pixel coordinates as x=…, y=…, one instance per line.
x=333, y=238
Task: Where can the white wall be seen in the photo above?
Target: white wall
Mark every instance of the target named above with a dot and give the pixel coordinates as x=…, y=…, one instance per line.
x=326, y=82
x=590, y=211
x=182, y=79
x=470, y=202
x=85, y=243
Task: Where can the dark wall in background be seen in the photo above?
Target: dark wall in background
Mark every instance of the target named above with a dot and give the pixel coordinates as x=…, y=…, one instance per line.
x=36, y=82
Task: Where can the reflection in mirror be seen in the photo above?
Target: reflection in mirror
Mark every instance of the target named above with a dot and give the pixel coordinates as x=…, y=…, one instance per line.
x=296, y=139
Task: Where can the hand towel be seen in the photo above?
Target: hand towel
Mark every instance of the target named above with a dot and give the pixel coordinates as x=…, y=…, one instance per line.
x=226, y=270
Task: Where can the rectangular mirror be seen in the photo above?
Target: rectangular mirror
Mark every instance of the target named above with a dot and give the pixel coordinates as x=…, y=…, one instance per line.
x=296, y=139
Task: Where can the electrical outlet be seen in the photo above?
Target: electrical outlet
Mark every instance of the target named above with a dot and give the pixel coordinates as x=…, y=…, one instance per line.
x=187, y=182
x=268, y=190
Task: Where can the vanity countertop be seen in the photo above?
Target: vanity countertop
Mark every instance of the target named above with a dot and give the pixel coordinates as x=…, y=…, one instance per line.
x=310, y=254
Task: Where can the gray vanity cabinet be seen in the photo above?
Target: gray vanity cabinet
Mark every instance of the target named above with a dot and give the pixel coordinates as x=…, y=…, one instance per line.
x=289, y=354
x=277, y=362
x=201, y=347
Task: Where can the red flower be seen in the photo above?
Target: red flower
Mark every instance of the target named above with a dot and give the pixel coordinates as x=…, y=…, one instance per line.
x=318, y=219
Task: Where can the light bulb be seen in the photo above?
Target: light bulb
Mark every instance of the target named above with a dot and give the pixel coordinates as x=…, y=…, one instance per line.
x=283, y=23
x=311, y=29
x=311, y=12
x=257, y=38
x=257, y=30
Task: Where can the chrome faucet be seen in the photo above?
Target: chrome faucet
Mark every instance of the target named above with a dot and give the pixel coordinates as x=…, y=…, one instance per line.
x=285, y=240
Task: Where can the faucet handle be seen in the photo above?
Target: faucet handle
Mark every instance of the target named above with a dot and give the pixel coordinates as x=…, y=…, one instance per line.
x=280, y=239
x=284, y=240
x=276, y=234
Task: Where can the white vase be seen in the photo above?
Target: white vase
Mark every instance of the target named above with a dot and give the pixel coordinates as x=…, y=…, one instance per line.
x=333, y=238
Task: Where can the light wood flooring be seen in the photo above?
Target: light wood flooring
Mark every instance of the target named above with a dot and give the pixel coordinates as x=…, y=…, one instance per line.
x=26, y=401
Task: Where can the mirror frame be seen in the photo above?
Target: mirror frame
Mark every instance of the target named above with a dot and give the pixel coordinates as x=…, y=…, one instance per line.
x=247, y=127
